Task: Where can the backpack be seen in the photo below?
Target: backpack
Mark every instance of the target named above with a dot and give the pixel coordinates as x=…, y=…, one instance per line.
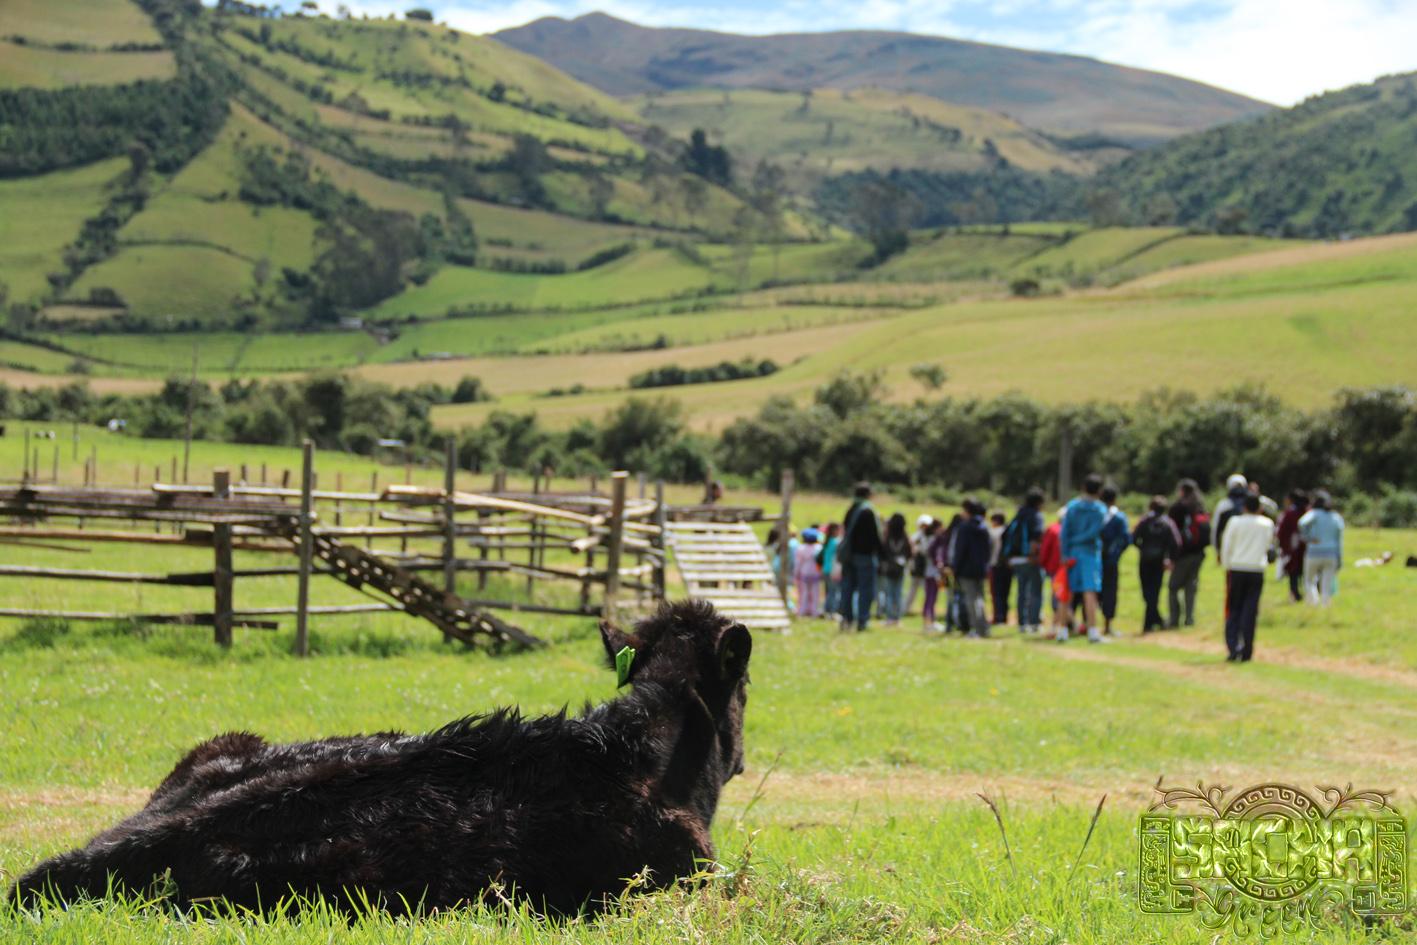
x=1153, y=539
x=1014, y=543
x=1197, y=532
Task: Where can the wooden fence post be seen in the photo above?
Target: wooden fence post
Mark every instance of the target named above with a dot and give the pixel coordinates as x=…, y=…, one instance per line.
x=54, y=475
x=25, y=475
x=450, y=528
x=369, y=519
x=533, y=538
x=661, y=541
x=221, y=575
x=339, y=505
x=618, y=481
x=784, y=529
x=307, y=549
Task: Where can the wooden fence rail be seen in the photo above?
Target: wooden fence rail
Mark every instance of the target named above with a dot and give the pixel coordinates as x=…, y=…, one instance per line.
x=556, y=537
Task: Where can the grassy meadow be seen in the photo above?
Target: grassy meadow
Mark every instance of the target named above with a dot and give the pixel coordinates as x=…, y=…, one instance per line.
x=857, y=820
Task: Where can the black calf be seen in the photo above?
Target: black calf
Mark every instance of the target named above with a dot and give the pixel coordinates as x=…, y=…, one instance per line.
x=558, y=811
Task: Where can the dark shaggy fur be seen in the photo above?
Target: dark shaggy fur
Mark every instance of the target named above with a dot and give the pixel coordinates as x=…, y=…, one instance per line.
x=557, y=811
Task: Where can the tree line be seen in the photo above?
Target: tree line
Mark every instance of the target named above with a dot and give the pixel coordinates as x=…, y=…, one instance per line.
x=1363, y=446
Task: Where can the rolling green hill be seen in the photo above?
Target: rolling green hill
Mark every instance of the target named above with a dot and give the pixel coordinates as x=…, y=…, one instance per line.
x=1062, y=94
x=1336, y=164
x=204, y=168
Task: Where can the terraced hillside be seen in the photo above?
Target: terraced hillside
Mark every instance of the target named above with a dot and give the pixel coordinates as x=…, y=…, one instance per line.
x=817, y=133
x=261, y=171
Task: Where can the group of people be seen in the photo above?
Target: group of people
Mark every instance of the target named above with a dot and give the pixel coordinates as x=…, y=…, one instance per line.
x=858, y=565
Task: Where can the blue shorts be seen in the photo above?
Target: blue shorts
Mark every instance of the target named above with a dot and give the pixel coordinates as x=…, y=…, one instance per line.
x=1086, y=574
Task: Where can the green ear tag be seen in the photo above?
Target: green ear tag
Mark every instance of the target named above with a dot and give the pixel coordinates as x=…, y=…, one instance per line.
x=623, y=661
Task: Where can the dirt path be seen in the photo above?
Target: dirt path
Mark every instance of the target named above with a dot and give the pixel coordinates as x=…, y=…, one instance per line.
x=1282, y=656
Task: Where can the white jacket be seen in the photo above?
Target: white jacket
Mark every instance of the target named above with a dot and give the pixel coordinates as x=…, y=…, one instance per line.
x=1245, y=544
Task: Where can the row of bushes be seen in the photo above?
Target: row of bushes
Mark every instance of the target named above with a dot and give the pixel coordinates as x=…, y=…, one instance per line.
x=672, y=375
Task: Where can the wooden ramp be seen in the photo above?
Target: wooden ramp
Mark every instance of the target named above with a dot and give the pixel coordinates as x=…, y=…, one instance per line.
x=724, y=563
x=362, y=570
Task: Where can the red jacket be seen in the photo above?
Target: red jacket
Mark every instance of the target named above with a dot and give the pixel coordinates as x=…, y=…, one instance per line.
x=1050, y=552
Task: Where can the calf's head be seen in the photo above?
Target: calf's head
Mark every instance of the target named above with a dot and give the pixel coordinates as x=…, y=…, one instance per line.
x=689, y=647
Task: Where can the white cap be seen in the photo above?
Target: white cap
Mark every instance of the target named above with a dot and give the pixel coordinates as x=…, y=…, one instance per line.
x=1236, y=481
x=922, y=521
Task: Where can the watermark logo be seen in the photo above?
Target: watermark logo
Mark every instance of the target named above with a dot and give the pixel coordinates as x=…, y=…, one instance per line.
x=1270, y=860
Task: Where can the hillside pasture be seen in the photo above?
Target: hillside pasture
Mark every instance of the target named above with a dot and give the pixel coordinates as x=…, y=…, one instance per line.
x=831, y=131
x=45, y=68
x=175, y=283
x=522, y=382
x=41, y=215
x=98, y=23
x=1339, y=316
x=280, y=235
x=643, y=276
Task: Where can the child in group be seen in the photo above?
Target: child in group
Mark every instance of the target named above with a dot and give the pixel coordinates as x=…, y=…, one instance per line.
x=831, y=574
x=934, y=549
x=808, y=574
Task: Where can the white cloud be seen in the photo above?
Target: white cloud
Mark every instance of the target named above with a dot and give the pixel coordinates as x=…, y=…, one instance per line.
x=1277, y=50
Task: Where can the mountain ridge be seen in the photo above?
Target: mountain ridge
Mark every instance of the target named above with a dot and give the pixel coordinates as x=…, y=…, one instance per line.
x=1056, y=92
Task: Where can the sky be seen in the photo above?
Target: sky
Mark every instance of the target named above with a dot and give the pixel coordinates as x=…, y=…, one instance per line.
x=1280, y=51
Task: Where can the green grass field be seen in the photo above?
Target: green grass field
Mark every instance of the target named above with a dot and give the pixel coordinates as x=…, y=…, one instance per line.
x=42, y=68
x=100, y=23
x=172, y=282
x=857, y=820
x=41, y=215
x=1341, y=314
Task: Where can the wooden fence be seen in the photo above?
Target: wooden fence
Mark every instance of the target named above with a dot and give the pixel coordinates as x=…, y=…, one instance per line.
x=403, y=545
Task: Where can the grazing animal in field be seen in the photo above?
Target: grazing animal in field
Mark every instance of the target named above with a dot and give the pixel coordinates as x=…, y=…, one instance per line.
x=559, y=812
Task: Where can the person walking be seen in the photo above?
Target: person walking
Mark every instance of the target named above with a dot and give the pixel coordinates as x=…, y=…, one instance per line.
x=919, y=558
x=1322, y=531
x=895, y=559
x=1081, y=541
x=1193, y=523
x=861, y=555
x=1158, y=543
x=1000, y=576
x=1116, y=539
x=1019, y=548
x=808, y=574
x=1291, y=543
x=969, y=563
x=1244, y=554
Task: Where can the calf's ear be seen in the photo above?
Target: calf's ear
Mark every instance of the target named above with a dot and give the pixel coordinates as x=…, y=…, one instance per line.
x=615, y=639
x=734, y=648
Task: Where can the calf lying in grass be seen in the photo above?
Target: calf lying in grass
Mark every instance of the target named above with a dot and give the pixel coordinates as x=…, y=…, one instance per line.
x=557, y=811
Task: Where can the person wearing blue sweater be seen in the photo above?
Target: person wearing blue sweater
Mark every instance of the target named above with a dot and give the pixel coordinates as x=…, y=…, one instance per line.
x=1116, y=539
x=1081, y=541
x=1321, y=530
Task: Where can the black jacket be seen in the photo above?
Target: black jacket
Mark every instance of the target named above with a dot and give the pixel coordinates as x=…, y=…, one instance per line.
x=861, y=534
x=971, y=551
